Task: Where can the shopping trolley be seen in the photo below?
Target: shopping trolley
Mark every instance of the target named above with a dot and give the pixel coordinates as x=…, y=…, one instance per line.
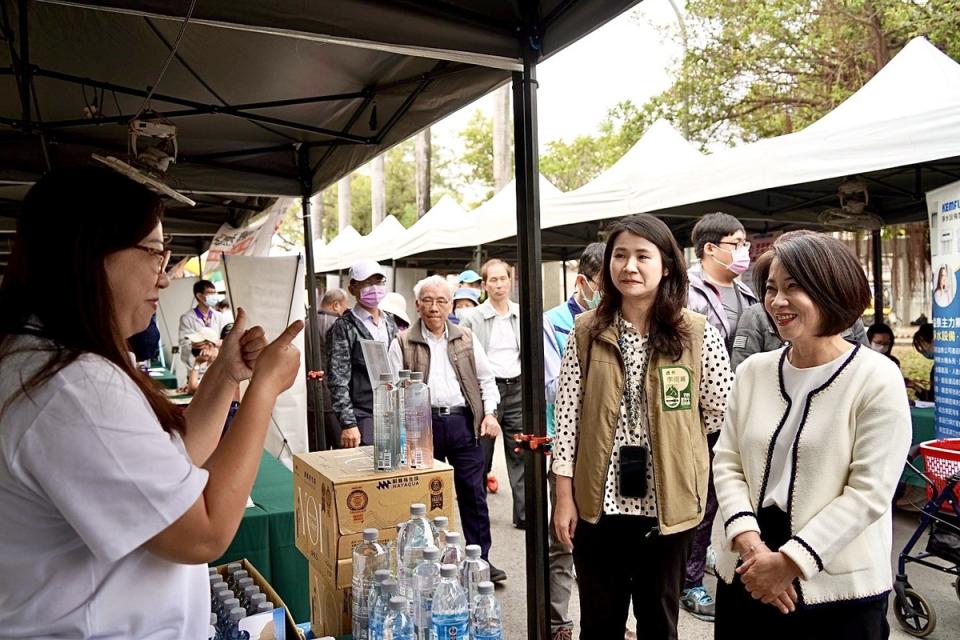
x=941, y=515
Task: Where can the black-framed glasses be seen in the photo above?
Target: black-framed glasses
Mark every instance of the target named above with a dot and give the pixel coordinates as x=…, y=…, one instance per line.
x=162, y=256
x=742, y=244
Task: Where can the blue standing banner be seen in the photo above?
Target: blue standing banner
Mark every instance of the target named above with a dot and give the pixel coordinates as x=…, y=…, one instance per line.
x=943, y=206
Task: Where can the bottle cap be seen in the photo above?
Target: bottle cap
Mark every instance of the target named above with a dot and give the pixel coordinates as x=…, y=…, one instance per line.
x=381, y=574
x=223, y=595
x=416, y=376
x=453, y=537
x=230, y=604
x=386, y=377
x=404, y=373
x=257, y=598
x=418, y=509
x=213, y=618
x=448, y=571
x=237, y=613
x=249, y=591
x=234, y=566
x=215, y=578
x=389, y=587
x=431, y=553
x=370, y=535
x=473, y=551
x=264, y=606
x=442, y=522
x=218, y=586
x=485, y=588
x=243, y=583
x=397, y=603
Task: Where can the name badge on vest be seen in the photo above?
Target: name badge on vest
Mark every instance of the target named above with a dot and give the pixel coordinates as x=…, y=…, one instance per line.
x=675, y=388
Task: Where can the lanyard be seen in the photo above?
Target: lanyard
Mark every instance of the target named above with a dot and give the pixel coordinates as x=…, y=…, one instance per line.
x=206, y=320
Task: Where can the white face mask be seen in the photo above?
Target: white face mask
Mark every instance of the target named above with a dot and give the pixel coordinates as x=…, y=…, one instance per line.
x=211, y=299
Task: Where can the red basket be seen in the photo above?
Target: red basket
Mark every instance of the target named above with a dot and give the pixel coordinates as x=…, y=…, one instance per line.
x=941, y=459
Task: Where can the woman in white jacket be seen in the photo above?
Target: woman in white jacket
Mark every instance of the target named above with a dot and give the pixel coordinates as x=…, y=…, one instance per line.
x=812, y=447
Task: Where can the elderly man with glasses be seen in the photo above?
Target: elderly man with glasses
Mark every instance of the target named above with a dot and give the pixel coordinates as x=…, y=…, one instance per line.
x=464, y=398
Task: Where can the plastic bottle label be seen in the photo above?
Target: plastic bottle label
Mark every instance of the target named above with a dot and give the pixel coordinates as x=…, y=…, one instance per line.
x=449, y=627
x=487, y=634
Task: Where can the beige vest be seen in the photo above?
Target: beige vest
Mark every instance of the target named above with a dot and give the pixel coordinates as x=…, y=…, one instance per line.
x=678, y=438
x=416, y=357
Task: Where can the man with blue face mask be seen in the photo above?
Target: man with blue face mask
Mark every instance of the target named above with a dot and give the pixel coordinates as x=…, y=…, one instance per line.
x=350, y=391
x=202, y=316
x=557, y=325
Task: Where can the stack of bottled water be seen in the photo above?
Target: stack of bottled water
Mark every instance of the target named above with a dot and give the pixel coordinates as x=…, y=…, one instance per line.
x=402, y=423
x=416, y=535
x=426, y=577
x=403, y=382
x=368, y=557
x=486, y=621
x=475, y=571
x=397, y=625
x=378, y=613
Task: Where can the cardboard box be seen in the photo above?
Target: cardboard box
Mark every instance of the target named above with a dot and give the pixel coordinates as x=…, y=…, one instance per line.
x=337, y=495
x=331, y=612
x=272, y=596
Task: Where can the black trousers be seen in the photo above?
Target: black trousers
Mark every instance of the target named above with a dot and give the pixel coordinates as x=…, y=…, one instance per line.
x=740, y=617
x=616, y=560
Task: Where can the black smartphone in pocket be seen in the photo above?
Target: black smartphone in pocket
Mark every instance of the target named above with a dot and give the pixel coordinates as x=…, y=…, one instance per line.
x=633, y=471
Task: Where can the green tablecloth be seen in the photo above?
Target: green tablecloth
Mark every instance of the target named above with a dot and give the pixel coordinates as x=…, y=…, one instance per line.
x=923, y=430
x=165, y=377
x=266, y=537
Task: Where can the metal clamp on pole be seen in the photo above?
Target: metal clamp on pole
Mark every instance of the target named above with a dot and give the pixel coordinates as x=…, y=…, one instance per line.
x=530, y=442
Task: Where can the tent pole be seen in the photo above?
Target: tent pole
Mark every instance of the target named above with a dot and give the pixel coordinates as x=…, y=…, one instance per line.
x=314, y=363
x=527, y=166
x=563, y=267
x=877, y=275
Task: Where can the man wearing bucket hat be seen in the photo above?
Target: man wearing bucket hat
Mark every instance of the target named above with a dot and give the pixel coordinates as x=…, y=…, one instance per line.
x=347, y=378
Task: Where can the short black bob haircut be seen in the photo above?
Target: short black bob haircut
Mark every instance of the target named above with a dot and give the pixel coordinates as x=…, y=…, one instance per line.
x=827, y=271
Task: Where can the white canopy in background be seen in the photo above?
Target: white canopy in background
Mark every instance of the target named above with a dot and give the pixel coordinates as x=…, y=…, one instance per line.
x=496, y=218
x=658, y=152
x=440, y=228
x=328, y=258
x=377, y=245
x=908, y=113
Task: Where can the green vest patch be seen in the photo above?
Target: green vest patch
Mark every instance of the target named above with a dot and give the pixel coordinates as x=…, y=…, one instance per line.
x=675, y=388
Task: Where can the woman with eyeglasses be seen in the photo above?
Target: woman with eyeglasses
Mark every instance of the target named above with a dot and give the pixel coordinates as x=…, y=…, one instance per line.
x=112, y=499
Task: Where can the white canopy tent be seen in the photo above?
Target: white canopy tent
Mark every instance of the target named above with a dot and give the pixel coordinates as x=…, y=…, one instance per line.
x=496, y=218
x=442, y=227
x=377, y=245
x=329, y=257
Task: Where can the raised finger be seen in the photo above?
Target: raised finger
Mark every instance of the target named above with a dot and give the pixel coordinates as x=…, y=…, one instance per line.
x=240, y=321
x=290, y=332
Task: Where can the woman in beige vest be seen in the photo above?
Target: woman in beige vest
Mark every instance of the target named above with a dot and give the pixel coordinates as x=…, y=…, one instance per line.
x=643, y=381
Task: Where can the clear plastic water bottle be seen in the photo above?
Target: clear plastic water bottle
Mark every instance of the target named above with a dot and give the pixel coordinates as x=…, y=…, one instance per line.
x=222, y=596
x=440, y=524
x=393, y=559
x=234, y=566
x=486, y=621
x=475, y=571
x=450, y=616
x=415, y=536
x=232, y=629
x=241, y=586
x=228, y=605
x=216, y=588
x=397, y=625
x=378, y=613
x=212, y=627
x=419, y=423
x=235, y=576
x=263, y=607
x=386, y=435
x=248, y=593
x=453, y=552
x=368, y=556
x=403, y=381
x=426, y=577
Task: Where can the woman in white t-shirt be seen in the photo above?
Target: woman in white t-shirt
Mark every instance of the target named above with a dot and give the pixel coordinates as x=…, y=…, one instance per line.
x=112, y=500
x=811, y=450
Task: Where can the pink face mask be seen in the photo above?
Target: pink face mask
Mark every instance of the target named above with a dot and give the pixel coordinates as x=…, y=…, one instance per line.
x=740, y=262
x=371, y=296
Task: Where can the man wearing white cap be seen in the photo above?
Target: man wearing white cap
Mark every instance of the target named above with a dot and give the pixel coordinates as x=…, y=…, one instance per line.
x=347, y=378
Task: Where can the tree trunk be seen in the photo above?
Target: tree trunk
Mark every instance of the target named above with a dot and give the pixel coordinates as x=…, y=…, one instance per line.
x=423, y=172
x=316, y=215
x=501, y=138
x=378, y=192
x=344, y=212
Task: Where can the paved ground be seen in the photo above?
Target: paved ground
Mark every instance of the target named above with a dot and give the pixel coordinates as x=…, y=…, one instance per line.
x=508, y=553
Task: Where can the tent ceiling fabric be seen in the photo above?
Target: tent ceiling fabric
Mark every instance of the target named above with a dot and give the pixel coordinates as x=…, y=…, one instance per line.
x=355, y=76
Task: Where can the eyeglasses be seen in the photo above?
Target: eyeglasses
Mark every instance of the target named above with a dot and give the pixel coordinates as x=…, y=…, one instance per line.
x=429, y=302
x=162, y=256
x=743, y=244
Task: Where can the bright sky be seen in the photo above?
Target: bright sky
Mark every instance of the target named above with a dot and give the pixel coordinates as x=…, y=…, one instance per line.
x=628, y=58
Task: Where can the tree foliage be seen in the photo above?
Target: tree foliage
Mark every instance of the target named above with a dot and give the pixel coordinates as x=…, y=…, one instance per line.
x=761, y=68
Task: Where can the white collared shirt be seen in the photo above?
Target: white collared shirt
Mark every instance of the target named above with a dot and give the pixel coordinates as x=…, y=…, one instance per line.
x=377, y=329
x=442, y=379
x=504, y=348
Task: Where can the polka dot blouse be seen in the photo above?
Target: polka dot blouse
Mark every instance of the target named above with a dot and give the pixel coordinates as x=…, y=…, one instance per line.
x=715, y=384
